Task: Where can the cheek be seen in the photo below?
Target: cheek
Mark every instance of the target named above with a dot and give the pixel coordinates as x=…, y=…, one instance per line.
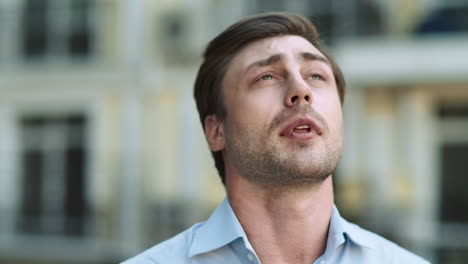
x=256, y=107
x=332, y=112
x=336, y=124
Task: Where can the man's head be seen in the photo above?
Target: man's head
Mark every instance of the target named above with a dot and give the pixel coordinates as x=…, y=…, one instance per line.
x=247, y=122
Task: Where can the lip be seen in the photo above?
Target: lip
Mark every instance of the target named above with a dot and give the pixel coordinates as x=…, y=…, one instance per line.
x=289, y=132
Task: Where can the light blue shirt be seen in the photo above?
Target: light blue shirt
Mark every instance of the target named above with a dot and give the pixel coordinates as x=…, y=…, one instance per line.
x=221, y=239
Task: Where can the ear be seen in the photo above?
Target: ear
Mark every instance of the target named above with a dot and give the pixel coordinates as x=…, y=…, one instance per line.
x=214, y=132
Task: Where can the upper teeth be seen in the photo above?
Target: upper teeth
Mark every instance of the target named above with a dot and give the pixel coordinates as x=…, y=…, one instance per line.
x=302, y=127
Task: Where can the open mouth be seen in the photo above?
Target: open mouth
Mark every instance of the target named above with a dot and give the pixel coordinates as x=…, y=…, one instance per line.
x=301, y=128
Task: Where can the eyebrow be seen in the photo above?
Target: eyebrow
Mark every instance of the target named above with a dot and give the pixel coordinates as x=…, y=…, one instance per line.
x=265, y=62
x=275, y=58
x=314, y=57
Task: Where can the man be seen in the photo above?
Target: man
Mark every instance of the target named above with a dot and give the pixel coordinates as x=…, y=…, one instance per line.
x=270, y=102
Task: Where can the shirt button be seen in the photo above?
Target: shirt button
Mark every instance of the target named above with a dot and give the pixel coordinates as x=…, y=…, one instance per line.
x=250, y=257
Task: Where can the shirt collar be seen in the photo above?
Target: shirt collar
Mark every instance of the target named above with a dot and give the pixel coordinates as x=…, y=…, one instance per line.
x=223, y=227
x=219, y=230
x=341, y=230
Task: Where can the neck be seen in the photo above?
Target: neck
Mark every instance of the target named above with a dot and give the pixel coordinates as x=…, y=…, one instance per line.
x=287, y=227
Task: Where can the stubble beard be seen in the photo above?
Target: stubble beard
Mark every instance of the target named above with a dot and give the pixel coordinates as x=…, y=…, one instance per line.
x=265, y=165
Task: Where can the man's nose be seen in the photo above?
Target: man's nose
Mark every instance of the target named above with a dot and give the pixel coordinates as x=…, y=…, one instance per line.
x=298, y=92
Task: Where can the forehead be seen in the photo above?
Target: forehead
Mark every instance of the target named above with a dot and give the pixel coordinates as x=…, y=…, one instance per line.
x=289, y=46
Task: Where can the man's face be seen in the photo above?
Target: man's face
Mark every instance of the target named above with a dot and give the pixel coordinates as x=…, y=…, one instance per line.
x=284, y=119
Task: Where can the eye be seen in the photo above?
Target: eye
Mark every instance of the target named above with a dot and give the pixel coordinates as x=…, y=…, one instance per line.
x=316, y=77
x=266, y=77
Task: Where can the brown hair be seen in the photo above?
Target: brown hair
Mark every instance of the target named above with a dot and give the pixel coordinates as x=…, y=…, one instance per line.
x=220, y=51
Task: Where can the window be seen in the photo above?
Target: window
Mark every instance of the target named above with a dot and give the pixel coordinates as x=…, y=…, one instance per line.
x=337, y=19
x=454, y=182
x=34, y=23
x=319, y=12
x=453, y=215
x=454, y=154
x=369, y=19
x=449, y=16
x=79, y=38
x=53, y=161
x=56, y=28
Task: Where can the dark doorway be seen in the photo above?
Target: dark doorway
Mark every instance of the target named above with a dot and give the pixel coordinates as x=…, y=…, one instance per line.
x=53, y=161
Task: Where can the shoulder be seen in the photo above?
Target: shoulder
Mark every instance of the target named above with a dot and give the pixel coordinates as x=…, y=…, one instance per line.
x=382, y=249
x=173, y=250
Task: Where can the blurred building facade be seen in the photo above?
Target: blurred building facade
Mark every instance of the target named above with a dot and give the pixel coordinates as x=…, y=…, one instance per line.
x=101, y=150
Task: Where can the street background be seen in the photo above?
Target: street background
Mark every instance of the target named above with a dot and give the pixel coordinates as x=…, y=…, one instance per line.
x=102, y=154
